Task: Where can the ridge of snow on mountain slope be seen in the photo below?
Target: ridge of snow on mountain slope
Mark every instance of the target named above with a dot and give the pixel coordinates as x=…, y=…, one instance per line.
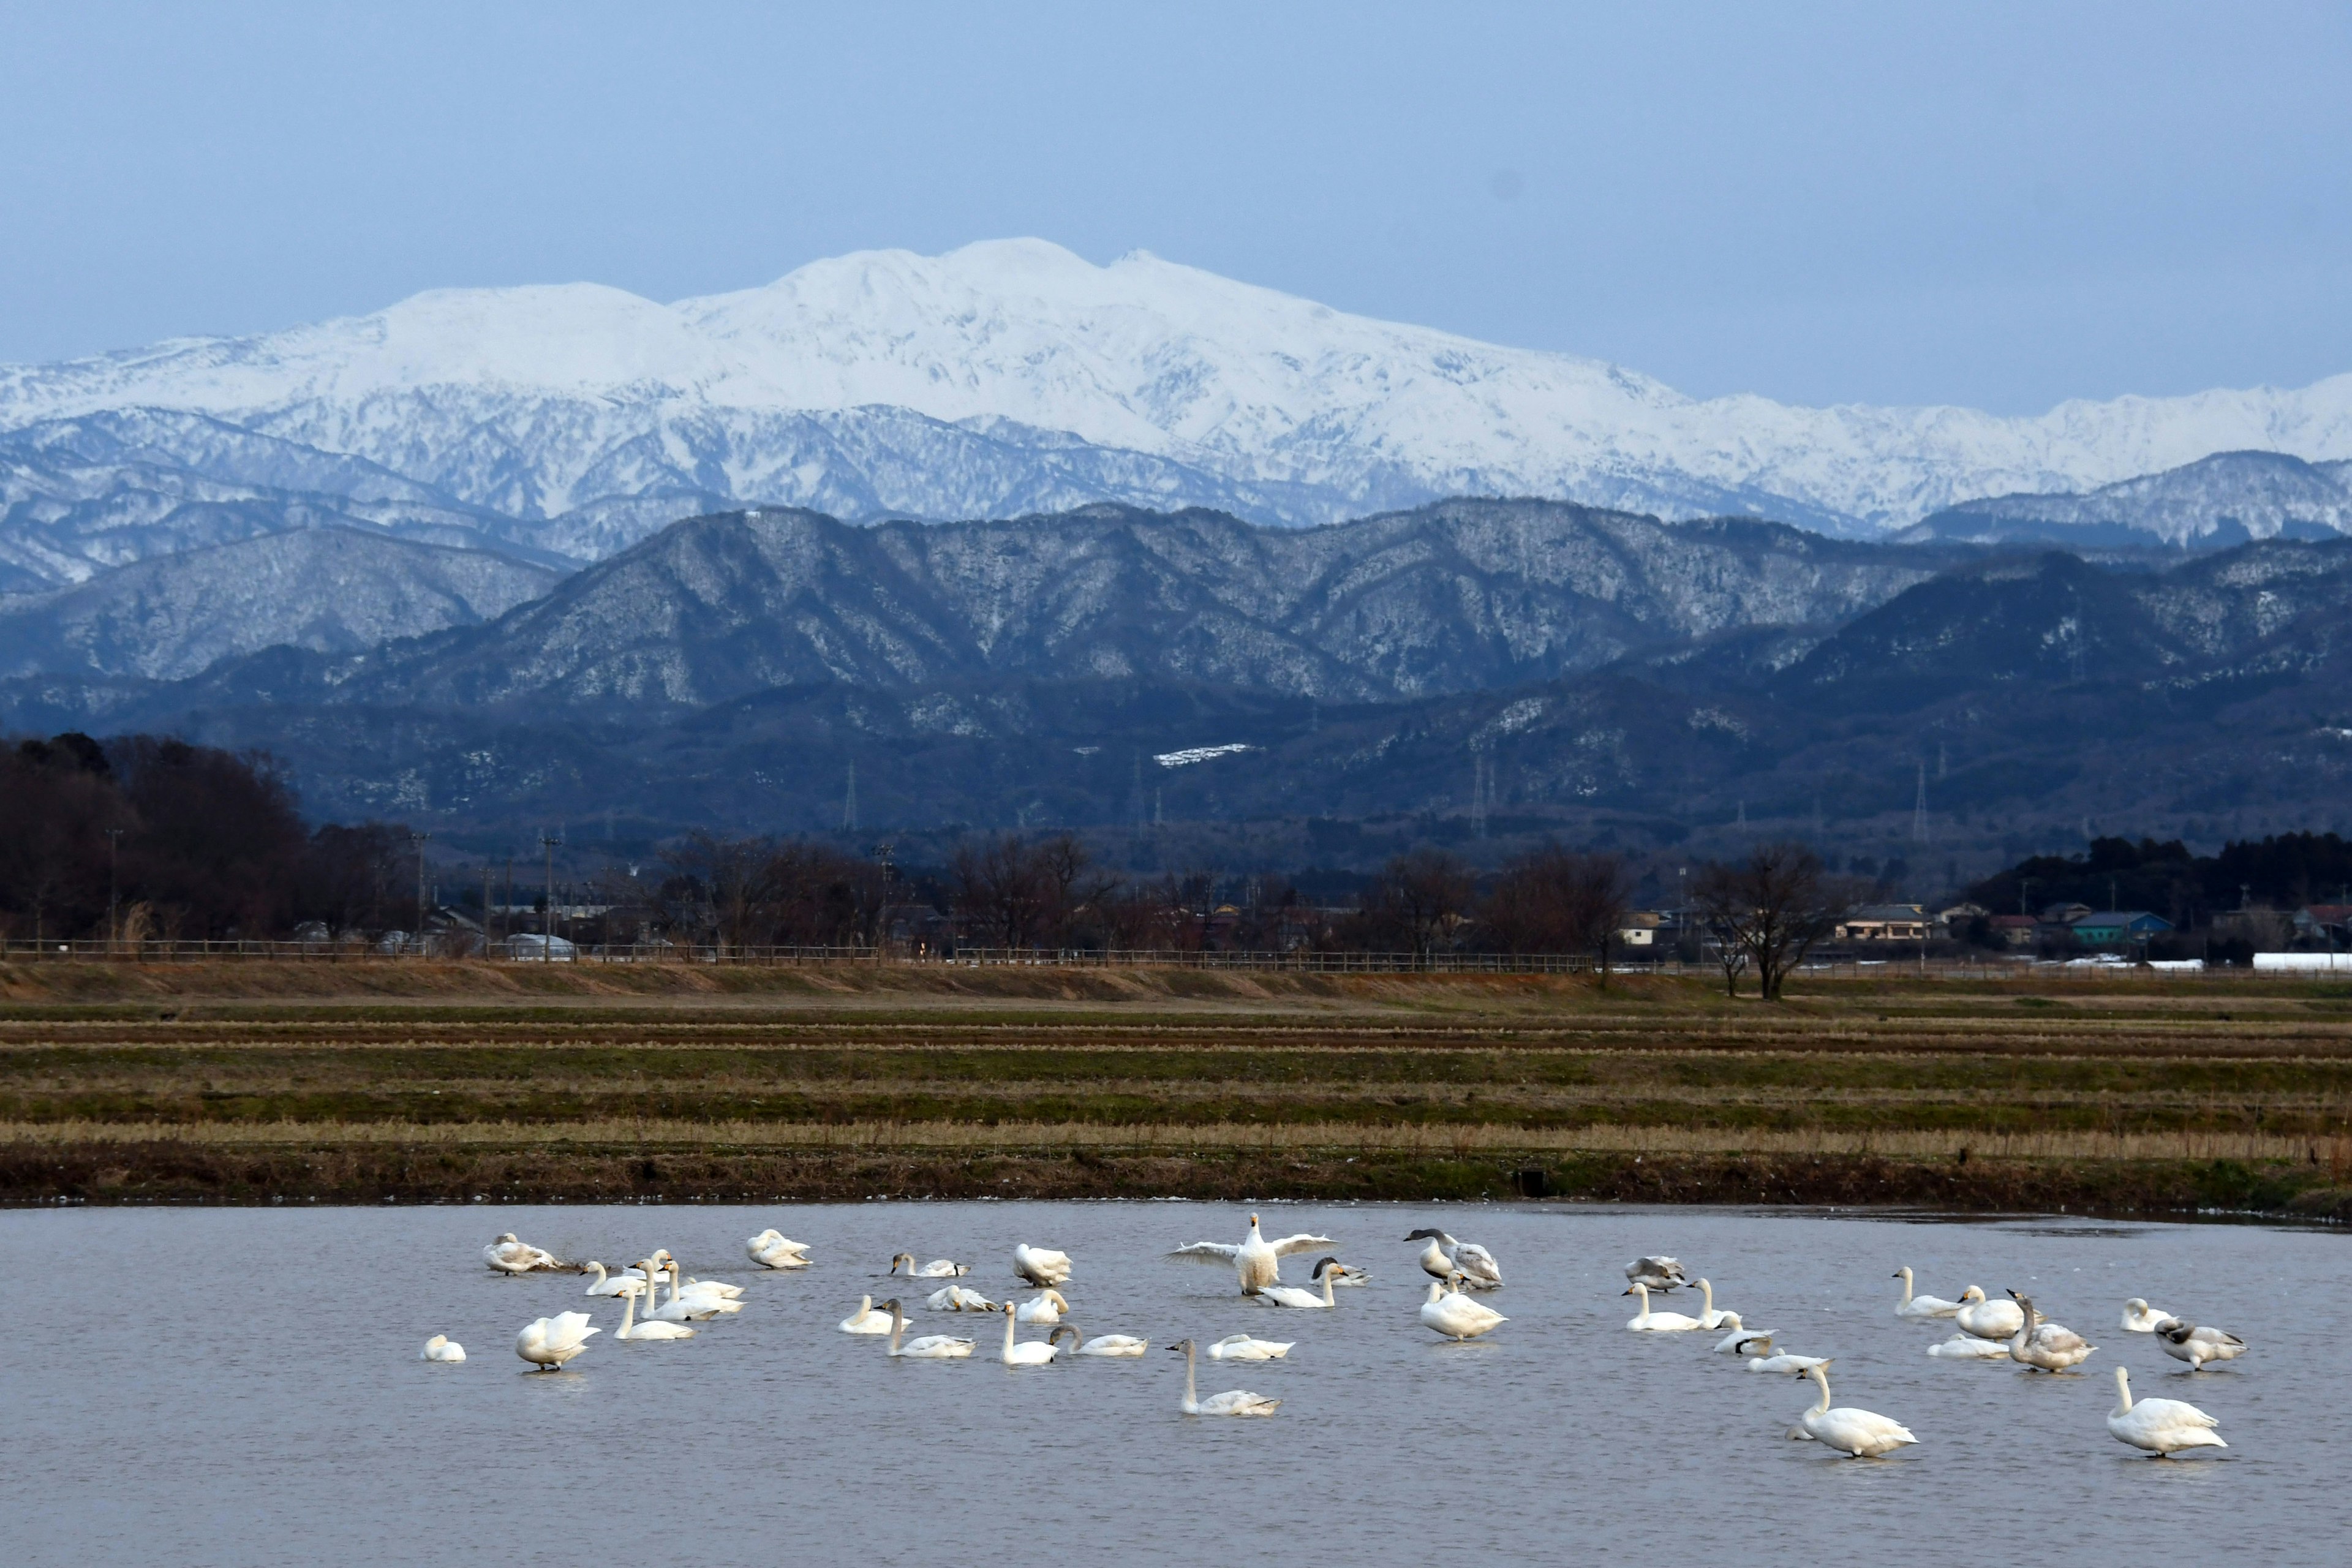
x=540, y=399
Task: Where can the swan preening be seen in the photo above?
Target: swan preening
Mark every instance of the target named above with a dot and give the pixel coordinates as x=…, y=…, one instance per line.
x=1034, y=1353
x=1987, y=1319
x=1101, y=1344
x=2046, y=1346
x=1046, y=1308
x=1456, y=1316
x=1742, y=1339
x=1710, y=1316
x=616, y=1284
x=936, y=1268
x=1921, y=1306
x=1035, y=1266
x=1326, y=1270
x=1657, y=1273
x=549, y=1343
x=1650, y=1322
x=930, y=1347
x=1786, y=1363
x=1256, y=1261
x=1445, y=1258
x=1967, y=1347
x=768, y=1249
x=651, y=1330
x=508, y=1256
x=1241, y=1347
x=956, y=1299
x=1233, y=1402
x=2197, y=1346
x=2139, y=1318
x=1858, y=1434
x=441, y=1347
x=867, y=1319
x=2161, y=1426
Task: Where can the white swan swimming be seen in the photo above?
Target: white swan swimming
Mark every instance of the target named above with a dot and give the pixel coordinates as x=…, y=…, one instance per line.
x=1987, y=1319
x=1241, y=1347
x=956, y=1299
x=441, y=1347
x=1256, y=1261
x=1657, y=1273
x=1742, y=1339
x=1046, y=1307
x=769, y=1249
x=613, y=1286
x=930, y=1347
x=707, y=1286
x=1036, y=1352
x=2048, y=1347
x=1784, y=1362
x=1967, y=1347
x=936, y=1268
x=1710, y=1316
x=2162, y=1426
x=867, y=1319
x=1101, y=1344
x=682, y=1307
x=2197, y=1346
x=549, y=1343
x=1292, y=1296
x=651, y=1331
x=1036, y=1266
x=1443, y=1258
x=508, y=1256
x=699, y=1294
x=1920, y=1306
x=1649, y=1322
x=1233, y=1402
x=1456, y=1316
x=1858, y=1434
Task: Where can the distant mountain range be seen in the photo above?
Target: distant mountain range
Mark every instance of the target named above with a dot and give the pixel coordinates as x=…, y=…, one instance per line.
x=2224, y=499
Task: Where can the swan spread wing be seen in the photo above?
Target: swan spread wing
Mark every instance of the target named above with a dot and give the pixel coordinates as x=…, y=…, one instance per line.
x=1299, y=1243
x=1207, y=1252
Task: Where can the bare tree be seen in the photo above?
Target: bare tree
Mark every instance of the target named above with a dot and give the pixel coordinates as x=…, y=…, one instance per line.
x=1417, y=899
x=1769, y=910
x=1020, y=894
x=1553, y=900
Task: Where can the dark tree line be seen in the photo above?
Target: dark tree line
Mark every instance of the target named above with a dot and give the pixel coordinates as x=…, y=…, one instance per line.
x=2286, y=870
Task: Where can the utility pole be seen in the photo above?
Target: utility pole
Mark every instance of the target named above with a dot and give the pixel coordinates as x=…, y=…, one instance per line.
x=1920, y=808
x=548, y=841
x=849, y=801
x=113, y=859
x=418, y=840
x=486, y=907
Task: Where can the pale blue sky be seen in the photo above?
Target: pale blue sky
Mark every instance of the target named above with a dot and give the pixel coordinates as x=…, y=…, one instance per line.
x=2002, y=206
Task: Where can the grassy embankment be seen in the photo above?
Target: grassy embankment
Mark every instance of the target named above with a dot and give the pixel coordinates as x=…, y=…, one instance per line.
x=371, y=1082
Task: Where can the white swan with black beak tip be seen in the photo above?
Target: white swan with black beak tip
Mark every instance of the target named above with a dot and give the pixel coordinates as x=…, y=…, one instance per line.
x=2162, y=1427
x=867, y=1320
x=1034, y=1352
x=1649, y=1322
x=929, y=1347
x=1987, y=1319
x=1123, y=1345
x=1456, y=1316
x=1233, y=1402
x=1256, y=1261
x=1858, y=1434
x=1920, y=1306
x=1326, y=1270
x=936, y=1268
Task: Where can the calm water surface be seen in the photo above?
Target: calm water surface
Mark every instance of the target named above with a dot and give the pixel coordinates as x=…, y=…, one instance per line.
x=240, y=1386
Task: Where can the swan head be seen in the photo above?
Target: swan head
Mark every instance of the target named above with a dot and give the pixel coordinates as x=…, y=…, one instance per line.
x=1059, y=1330
x=1326, y=1261
x=1902, y=1273
x=2137, y=1304
x=506, y=1236
x=2173, y=1328
x=1427, y=1234
x=2023, y=1301
x=1182, y=1347
x=1973, y=1293
x=906, y=1258
x=1636, y=1288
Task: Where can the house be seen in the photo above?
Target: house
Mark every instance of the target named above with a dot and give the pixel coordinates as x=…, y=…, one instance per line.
x=2016, y=931
x=1640, y=929
x=2105, y=928
x=1886, y=923
x=1958, y=916
x=2326, y=926
x=2064, y=914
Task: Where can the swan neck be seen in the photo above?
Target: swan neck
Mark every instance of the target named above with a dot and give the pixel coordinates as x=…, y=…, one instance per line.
x=1821, y=1376
x=628, y=1315
x=1906, y=1287
x=1327, y=1286
x=2123, y=1392
x=1191, y=1392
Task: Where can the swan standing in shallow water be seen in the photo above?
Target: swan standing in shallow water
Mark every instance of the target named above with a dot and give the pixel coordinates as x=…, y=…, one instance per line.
x=1101, y=1344
x=1649, y=1322
x=1036, y=1352
x=2047, y=1346
x=1987, y=1319
x=549, y=1343
x=1967, y=1347
x=1046, y=1308
x=1858, y=1434
x=1233, y=1402
x=616, y=1285
x=1456, y=1316
x=508, y=1256
x=1657, y=1273
x=1445, y=1258
x=441, y=1347
x=2139, y=1318
x=2197, y=1346
x=650, y=1330
x=1241, y=1347
x=1921, y=1306
x=1292, y=1296
x=956, y=1299
x=936, y=1268
x=1709, y=1317
x=1035, y=1266
x=768, y=1249
x=930, y=1347
x=867, y=1319
x=1258, y=1262
x=2162, y=1426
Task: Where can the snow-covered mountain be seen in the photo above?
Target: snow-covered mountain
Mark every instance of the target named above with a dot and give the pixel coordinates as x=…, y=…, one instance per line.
x=1013, y=377
x=2214, y=503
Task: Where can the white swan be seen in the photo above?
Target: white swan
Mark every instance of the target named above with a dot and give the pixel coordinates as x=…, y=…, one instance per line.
x=1101, y=1344
x=1657, y=1273
x=651, y=1330
x=1348, y=1274
x=683, y=1307
x=1920, y=1306
x=1784, y=1362
x=441, y=1347
x=508, y=1256
x=1233, y=1402
x=2197, y=1346
x=1709, y=1317
x=1858, y=1434
x=1046, y=1307
x=1987, y=1319
x=1967, y=1347
x=699, y=1294
x=1650, y=1323
x=930, y=1347
x=1292, y=1296
x=2162, y=1426
x=2139, y=1318
x=616, y=1284
x=549, y=1343
x=1742, y=1339
x=2047, y=1346
x=1456, y=1316
x=1241, y=1347
x=1036, y=1352
x=1443, y=1258
x=1035, y=1266
x=866, y=1319
x=707, y=1286
x=769, y=1249
x=936, y=1268
x=956, y=1299
x=1256, y=1261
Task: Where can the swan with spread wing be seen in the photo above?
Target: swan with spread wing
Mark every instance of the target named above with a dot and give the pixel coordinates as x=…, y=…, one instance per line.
x=1256, y=1261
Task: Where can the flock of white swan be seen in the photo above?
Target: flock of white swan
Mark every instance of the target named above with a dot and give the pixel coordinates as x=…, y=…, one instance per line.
x=1988, y=1330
